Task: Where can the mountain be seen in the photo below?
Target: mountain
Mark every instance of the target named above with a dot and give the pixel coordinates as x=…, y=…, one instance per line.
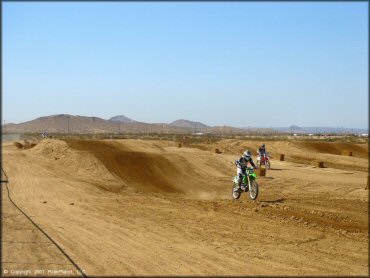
x=121, y=118
x=188, y=124
x=295, y=128
x=64, y=123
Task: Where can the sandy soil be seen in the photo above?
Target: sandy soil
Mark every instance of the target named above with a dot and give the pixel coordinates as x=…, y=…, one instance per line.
x=135, y=207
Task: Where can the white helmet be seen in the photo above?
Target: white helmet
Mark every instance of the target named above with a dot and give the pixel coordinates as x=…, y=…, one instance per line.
x=247, y=154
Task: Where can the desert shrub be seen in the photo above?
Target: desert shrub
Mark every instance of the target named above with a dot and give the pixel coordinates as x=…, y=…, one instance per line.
x=27, y=145
x=18, y=145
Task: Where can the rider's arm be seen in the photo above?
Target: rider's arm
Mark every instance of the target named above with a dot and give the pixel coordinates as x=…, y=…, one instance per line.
x=252, y=163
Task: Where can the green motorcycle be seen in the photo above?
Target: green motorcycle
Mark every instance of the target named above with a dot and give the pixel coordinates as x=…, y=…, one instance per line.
x=249, y=183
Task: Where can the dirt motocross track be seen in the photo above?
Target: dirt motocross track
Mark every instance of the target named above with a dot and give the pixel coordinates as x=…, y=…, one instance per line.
x=136, y=207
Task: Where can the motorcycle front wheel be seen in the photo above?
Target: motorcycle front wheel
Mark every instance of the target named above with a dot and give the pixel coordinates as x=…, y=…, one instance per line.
x=253, y=190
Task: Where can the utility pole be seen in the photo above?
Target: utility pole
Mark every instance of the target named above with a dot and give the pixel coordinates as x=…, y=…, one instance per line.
x=68, y=124
x=4, y=126
x=195, y=128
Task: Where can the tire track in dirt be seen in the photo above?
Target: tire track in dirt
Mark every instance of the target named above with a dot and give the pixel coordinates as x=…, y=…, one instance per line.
x=24, y=247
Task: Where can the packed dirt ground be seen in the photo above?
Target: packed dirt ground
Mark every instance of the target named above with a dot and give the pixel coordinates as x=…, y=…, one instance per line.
x=149, y=207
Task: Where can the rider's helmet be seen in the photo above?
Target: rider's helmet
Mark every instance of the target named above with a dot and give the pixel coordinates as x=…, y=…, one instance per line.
x=247, y=154
x=263, y=145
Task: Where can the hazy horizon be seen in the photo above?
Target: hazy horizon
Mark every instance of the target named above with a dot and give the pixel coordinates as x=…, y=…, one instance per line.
x=239, y=64
x=195, y=120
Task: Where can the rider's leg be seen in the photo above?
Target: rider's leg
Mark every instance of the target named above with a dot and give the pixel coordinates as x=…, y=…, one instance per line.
x=240, y=174
x=244, y=173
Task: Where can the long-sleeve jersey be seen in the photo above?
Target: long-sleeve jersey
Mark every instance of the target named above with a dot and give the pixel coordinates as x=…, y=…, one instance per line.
x=242, y=162
x=262, y=150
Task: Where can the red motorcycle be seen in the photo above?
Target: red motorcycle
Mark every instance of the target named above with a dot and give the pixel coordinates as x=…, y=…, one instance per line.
x=264, y=159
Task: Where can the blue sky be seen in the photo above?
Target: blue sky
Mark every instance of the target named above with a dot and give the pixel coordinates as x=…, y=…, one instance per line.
x=241, y=64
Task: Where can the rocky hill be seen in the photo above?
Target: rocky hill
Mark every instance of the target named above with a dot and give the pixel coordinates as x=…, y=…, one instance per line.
x=64, y=123
x=188, y=124
x=122, y=118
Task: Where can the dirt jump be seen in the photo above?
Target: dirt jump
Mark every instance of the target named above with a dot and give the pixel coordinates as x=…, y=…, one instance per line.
x=150, y=207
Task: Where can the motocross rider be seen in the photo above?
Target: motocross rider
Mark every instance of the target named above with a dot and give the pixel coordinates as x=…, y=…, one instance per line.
x=261, y=151
x=242, y=164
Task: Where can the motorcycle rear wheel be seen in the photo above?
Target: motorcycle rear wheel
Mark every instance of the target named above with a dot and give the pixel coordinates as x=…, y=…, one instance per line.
x=236, y=193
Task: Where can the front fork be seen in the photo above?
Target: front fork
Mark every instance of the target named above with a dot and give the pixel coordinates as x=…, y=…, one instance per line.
x=249, y=182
